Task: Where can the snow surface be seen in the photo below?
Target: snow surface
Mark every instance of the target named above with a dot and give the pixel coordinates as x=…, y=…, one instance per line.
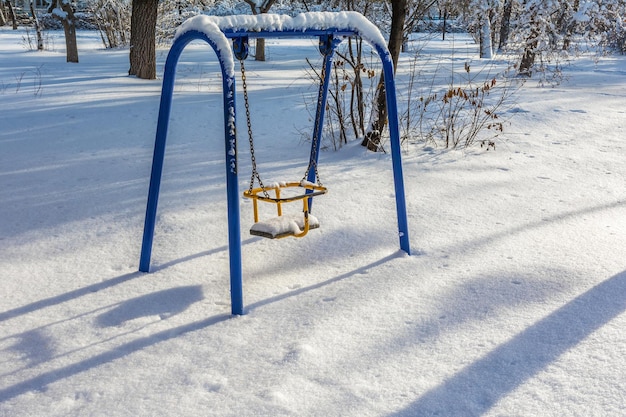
x=512, y=305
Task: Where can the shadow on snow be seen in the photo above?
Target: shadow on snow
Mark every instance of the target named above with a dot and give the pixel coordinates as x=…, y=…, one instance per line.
x=479, y=386
x=167, y=303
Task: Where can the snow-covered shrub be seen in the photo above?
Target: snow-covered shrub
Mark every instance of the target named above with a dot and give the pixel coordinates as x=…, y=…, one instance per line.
x=459, y=115
x=172, y=13
x=83, y=21
x=605, y=21
x=112, y=17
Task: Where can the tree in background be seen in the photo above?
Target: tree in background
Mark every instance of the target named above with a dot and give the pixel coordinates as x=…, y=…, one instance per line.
x=505, y=24
x=372, y=139
x=3, y=19
x=113, y=21
x=143, y=39
x=545, y=28
x=480, y=16
x=416, y=10
x=604, y=20
x=64, y=12
x=446, y=7
x=12, y=15
x=38, y=28
x=260, y=7
x=568, y=22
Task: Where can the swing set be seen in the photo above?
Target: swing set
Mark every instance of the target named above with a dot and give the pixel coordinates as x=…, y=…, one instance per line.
x=229, y=37
x=282, y=225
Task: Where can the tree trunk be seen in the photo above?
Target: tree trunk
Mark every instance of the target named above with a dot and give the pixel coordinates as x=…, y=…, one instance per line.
x=143, y=39
x=372, y=138
x=37, y=27
x=505, y=26
x=264, y=7
x=259, y=53
x=528, y=60
x=530, y=49
x=12, y=15
x=69, y=26
x=64, y=12
x=569, y=30
x=3, y=19
x=357, y=97
x=485, y=38
x=445, y=22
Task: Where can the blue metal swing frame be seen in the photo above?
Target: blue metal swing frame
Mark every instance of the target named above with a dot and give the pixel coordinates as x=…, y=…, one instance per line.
x=329, y=40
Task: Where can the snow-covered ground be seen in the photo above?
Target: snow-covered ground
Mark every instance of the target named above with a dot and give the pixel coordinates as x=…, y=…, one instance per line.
x=512, y=303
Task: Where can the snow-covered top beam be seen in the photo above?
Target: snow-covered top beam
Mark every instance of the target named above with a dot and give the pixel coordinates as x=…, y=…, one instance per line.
x=274, y=25
x=217, y=30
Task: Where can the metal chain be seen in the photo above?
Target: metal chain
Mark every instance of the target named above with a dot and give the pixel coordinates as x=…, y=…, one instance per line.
x=312, y=161
x=255, y=172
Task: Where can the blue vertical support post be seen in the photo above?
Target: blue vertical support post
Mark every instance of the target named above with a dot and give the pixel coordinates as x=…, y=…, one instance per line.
x=240, y=47
x=327, y=45
x=396, y=154
x=232, y=195
x=158, y=155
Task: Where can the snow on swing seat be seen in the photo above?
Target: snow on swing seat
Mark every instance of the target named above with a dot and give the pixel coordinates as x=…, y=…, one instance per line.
x=283, y=226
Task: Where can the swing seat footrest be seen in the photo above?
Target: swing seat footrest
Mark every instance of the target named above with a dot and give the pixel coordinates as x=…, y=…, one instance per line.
x=283, y=226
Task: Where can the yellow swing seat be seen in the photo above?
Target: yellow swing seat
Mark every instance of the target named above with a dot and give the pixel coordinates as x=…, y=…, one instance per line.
x=296, y=225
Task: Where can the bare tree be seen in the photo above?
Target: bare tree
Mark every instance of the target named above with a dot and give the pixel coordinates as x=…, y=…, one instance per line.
x=416, y=10
x=445, y=7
